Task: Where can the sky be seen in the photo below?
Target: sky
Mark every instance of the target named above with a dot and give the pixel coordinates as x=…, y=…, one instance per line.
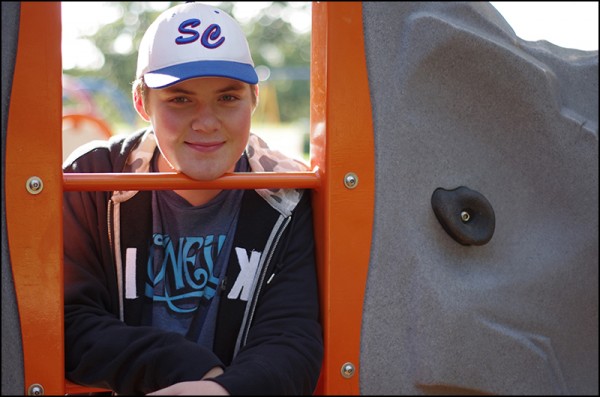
x=572, y=24
x=567, y=24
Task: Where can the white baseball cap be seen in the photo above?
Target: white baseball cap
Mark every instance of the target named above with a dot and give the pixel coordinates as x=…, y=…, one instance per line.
x=194, y=40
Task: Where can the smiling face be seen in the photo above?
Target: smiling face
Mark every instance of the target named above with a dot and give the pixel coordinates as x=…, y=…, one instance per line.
x=202, y=125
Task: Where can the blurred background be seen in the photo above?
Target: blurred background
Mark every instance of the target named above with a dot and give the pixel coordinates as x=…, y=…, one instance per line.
x=99, y=50
x=99, y=47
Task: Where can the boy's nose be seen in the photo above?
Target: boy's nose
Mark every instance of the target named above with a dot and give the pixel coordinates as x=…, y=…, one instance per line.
x=205, y=120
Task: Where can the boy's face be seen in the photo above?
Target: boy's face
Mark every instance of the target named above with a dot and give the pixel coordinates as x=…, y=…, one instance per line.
x=202, y=125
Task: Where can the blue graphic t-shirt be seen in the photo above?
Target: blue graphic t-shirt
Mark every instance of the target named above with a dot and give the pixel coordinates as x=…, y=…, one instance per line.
x=189, y=252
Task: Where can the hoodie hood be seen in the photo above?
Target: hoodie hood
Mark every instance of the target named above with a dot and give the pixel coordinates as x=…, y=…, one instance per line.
x=260, y=157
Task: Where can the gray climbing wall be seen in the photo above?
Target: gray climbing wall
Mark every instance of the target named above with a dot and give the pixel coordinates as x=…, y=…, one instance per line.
x=12, y=355
x=459, y=100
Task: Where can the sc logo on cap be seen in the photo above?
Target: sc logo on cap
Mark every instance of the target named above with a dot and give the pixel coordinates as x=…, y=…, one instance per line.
x=211, y=37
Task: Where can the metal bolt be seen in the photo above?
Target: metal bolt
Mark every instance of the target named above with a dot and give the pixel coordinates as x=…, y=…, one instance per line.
x=351, y=180
x=465, y=216
x=35, y=390
x=34, y=185
x=348, y=370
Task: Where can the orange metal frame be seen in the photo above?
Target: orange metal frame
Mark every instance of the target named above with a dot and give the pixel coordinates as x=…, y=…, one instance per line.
x=341, y=143
x=341, y=148
x=34, y=222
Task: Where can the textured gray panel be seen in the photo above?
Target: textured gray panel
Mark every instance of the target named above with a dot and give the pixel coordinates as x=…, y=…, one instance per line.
x=459, y=100
x=12, y=356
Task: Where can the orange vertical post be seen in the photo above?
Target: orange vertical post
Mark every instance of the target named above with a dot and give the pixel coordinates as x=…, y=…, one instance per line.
x=33, y=187
x=343, y=149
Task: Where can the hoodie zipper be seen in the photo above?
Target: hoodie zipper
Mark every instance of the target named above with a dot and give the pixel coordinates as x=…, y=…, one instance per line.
x=250, y=309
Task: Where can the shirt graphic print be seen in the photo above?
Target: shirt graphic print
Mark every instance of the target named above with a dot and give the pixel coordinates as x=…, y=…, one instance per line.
x=185, y=276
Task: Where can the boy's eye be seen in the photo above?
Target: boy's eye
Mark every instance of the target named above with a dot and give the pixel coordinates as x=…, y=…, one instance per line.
x=228, y=98
x=180, y=99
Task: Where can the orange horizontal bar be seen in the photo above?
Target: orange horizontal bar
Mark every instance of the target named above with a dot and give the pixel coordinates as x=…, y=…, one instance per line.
x=173, y=180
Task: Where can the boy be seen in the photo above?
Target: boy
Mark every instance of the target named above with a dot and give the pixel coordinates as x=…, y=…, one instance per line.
x=191, y=291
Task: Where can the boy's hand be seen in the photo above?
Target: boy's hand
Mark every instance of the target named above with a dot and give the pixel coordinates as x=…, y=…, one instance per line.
x=197, y=387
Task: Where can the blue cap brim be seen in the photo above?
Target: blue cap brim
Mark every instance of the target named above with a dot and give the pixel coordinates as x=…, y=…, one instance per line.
x=165, y=77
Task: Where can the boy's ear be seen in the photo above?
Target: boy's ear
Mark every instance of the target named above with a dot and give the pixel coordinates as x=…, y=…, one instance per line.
x=255, y=96
x=138, y=103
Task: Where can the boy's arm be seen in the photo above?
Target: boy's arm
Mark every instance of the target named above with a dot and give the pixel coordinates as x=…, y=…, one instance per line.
x=284, y=350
